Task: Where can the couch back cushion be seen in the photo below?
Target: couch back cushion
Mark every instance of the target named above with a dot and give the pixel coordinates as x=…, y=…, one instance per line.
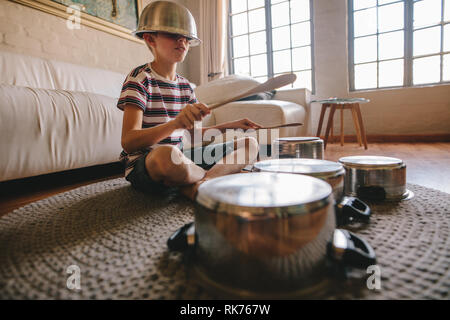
x=27, y=71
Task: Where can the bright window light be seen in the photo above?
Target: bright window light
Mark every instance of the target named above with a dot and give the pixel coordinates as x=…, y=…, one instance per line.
x=268, y=38
x=398, y=43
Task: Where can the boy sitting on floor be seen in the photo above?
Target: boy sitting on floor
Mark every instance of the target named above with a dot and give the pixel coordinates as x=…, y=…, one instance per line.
x=159, y=104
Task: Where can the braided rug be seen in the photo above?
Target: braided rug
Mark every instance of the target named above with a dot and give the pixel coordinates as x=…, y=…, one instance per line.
x=117, y=237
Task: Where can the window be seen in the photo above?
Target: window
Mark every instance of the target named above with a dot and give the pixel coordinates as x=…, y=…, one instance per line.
x=271, y=37
x=398, y=43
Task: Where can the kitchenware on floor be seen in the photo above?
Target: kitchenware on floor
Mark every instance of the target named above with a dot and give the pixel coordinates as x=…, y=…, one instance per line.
x=375, y=178
x=258, y=233
x=271, y=84
x=348, y=209
x=298, y=147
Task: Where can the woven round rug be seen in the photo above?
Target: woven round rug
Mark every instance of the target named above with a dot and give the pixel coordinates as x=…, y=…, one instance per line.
x=108, y=241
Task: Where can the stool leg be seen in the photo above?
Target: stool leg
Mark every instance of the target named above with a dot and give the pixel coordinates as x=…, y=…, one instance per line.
x=322, y=115
x=342, y=125
x=329, y=124
x=355, y=121
x=361, y=125
x=332, y=131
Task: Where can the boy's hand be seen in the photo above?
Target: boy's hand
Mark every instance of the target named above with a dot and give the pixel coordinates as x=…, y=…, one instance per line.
x=189, y=114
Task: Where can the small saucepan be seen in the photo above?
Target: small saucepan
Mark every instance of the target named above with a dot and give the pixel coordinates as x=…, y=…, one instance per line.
x=375, y=178
x=348, y=209
x=267, y=233
x=298, y=147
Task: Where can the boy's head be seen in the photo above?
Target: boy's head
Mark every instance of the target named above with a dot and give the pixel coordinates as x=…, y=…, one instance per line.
x=167, y=19
x=171, y=47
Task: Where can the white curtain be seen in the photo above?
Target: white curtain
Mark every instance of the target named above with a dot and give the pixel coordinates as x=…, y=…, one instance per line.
x=213, y=32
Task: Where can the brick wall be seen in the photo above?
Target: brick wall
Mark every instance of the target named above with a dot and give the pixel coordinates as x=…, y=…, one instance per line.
x=33, y=32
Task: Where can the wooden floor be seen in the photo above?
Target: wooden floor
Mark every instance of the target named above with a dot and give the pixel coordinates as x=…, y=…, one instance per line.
x=428, y=164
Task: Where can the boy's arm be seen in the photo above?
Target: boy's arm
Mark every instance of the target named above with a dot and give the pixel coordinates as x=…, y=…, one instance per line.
x=134, y=137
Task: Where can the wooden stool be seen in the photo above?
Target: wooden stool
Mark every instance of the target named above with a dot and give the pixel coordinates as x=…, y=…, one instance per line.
x=350, y=104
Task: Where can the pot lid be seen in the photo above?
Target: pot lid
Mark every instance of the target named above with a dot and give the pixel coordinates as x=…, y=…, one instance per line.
x=371, y=161
x=263, y=193
x=297, y=139
x=314, y=167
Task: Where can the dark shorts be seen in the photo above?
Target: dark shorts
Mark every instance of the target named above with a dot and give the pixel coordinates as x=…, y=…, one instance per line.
x=141, y=180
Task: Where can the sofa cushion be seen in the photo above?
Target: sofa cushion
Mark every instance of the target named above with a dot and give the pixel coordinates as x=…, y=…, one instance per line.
x=43, y=131
x=267, y=95
x=73, y=77
x=22, y=70
x=27, y=71
x=266, y=113
x=224, y=88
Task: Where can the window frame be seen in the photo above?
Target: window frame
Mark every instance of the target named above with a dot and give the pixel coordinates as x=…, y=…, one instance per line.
x=269, y=45
x=408, y=56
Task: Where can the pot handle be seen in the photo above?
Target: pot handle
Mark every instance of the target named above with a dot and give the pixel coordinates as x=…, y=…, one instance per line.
x=348, y=249
x=352, y=209
x=182, y=239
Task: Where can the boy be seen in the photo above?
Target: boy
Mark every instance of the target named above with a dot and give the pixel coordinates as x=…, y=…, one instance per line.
x=159, y=104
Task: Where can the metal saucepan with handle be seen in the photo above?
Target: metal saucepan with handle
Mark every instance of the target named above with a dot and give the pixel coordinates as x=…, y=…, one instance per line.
x=267, y=232
x=348, y=208
x=298, y=147
x=375, y=178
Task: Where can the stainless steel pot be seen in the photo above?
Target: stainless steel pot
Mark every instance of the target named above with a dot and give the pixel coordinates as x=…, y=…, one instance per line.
x=264, y=232
x=348, y=209
x=298, y=147
x=375, y=178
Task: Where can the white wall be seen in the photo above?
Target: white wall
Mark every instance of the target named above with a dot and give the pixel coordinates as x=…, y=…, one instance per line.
x=34, y=32
x=418, y=110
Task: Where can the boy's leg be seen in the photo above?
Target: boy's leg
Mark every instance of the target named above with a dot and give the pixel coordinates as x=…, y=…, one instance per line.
x=168, y=165
x=245, y=152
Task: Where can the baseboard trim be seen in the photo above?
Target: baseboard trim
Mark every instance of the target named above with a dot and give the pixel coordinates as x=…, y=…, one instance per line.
x=440, y=137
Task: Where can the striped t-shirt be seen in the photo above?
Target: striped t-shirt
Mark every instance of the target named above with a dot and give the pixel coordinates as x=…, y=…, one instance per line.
x=160, y=99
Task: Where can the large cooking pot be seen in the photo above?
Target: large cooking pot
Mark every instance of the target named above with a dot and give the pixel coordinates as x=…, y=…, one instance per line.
x=298, y=147
x=348, y=209
x=267, y=232
x=375, y=178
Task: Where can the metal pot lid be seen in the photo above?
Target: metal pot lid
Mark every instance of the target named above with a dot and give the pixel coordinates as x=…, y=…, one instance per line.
x=264, y=193
x=314, y=167
x=371, y=161
x=297, y=139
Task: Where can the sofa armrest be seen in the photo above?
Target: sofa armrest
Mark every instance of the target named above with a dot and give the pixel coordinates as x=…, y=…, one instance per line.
x=267, y=113
x=302, y=97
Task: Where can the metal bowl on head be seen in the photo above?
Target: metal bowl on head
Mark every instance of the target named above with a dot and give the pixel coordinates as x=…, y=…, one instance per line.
x=170, y=17
x=298, y=147
x=375, y=178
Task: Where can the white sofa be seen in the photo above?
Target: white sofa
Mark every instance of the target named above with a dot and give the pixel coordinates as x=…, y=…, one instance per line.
x=57, y=116
x=287, y=106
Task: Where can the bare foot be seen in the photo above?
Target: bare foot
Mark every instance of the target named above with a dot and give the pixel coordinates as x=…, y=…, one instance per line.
x=190, y=190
